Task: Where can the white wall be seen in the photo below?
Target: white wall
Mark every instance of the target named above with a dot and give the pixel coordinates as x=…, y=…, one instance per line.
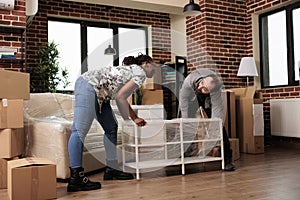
x=178, y=36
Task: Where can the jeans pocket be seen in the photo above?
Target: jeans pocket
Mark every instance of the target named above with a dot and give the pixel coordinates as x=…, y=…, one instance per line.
x=83, y=87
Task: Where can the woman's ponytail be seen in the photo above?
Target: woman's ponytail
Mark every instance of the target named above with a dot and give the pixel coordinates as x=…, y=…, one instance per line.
x=129, y=60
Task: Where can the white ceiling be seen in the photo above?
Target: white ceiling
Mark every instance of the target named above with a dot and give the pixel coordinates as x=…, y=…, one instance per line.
x=164, y=6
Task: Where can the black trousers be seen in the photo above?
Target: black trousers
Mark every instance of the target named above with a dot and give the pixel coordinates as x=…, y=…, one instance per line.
x=204, y=102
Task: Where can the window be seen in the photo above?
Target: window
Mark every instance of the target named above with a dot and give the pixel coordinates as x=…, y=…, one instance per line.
x=81, y=44
x=96, y=46
x=279, y=45
x=127, y=47
x=296, y=36
x=68, y=47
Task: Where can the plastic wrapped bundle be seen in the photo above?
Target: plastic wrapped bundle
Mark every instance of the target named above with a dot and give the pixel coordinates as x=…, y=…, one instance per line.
x=48, y=122
x=180, y=141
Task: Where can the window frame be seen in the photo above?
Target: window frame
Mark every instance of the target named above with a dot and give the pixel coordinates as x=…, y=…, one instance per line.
x=83, y=33
x=290, y=45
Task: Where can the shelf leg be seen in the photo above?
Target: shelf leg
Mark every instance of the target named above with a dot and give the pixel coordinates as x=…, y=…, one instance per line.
x=123, y=149
x=137, y=170
x=182, y=148
x=222, y=145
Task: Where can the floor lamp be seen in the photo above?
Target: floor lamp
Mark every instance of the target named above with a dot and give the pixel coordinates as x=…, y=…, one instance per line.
x=247, y=68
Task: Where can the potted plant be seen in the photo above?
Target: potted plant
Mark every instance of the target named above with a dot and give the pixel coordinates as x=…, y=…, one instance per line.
x=45, y=77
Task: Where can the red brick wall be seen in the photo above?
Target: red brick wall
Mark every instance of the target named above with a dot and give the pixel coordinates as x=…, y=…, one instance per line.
x=15, y=17
x=37, y=31
x=219, y=38
x=222, y=35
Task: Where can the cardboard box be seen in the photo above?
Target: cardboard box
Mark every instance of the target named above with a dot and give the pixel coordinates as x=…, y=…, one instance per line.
x=230, y=109
x=11, y=142
x=249, y=116
x=14, y=85
x=11, y=113
x=151, y=97
x=155, y=82
x=31, y=178
x=3, y=171
x=235, y=147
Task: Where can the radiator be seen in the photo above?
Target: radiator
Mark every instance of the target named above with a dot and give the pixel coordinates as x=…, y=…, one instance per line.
x=285, y=117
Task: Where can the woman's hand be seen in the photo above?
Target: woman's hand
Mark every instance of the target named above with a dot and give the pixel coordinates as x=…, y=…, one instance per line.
x=140, y=121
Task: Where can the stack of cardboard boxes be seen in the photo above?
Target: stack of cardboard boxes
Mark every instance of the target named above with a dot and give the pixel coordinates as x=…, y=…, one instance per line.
x=25, y=178
x=152, y=89
x=244, y=121
x=12, y=93
x=250, y=120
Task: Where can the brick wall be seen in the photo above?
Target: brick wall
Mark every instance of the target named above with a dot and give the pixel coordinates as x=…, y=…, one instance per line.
x=217, y=38
x=222, y=35
x=15, y=18
x=37, y=31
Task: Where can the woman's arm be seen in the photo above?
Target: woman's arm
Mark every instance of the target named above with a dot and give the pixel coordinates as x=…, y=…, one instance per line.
x=123, y=105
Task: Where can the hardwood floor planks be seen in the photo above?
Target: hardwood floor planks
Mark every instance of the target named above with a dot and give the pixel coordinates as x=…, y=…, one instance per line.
x=270, y=176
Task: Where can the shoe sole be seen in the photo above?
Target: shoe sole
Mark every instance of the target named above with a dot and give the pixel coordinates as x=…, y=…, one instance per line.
x=108, y=178
x=71, y=189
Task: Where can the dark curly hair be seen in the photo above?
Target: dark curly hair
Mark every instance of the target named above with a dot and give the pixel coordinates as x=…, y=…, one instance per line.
x=139, y=60
x=129, y=60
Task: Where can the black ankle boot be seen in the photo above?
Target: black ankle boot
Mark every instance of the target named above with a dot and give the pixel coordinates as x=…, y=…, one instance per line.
x=79, y=182
x=229, y=167
x=114, y=174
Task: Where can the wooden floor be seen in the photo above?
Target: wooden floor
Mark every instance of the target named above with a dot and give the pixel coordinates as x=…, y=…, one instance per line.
x=274, y=175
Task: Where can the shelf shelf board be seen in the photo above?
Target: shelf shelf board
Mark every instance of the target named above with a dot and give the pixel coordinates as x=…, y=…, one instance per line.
x=203, y=140
x=145, y=145
x=170, y=162
x=170, y=143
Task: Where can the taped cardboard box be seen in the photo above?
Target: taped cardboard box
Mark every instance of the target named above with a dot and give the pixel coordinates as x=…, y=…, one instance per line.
x=11, y=142
x=11, y=113
x=14, y=85
x=31, y=178
x=250, y=123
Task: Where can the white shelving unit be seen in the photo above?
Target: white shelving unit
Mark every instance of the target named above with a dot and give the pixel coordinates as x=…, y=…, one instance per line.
x=140, y=152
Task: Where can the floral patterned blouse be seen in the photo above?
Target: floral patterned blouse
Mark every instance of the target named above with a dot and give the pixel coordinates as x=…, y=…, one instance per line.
x=107, y=81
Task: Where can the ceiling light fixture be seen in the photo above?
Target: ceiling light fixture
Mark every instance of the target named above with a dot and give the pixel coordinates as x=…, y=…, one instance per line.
x=109, y=50
x=191, y=9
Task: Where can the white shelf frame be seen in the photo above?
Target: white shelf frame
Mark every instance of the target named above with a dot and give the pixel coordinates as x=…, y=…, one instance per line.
x=139, y=165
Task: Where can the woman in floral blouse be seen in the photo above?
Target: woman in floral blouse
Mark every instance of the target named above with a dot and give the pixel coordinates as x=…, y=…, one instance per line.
x=93, y=92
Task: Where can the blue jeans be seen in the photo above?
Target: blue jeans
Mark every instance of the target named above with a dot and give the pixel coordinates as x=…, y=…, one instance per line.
x=86, y=109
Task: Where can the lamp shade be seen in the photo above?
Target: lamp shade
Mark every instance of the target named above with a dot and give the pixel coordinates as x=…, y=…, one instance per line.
x=247, y=67
x=109, y=51
x=191, y=9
